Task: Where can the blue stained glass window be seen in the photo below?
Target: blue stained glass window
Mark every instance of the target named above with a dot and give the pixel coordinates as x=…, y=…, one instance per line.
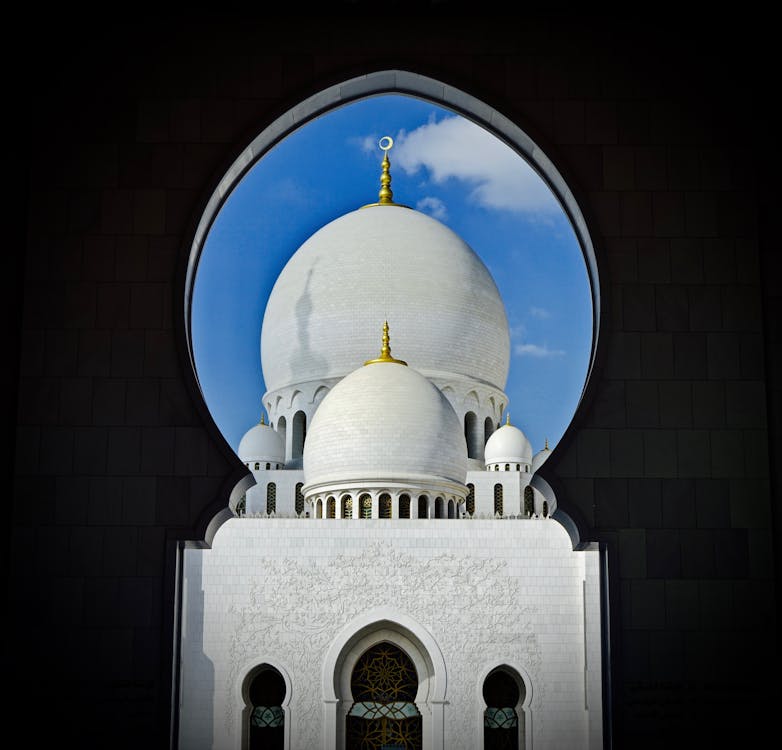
x=500, y=718
x=267, y=716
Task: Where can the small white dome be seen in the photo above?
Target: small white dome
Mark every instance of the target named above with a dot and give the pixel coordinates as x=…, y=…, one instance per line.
x=540, y=458
x=508, y=445
x=384, y=263
x=261, y=443
x=384, y=424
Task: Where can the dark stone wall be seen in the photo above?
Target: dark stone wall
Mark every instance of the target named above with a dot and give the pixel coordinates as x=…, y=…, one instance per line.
x=664, y=129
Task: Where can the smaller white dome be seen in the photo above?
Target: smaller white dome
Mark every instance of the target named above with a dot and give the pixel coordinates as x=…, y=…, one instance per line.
x=261, y=443
x=508, y=445
x=540, y=458
x=387, y=424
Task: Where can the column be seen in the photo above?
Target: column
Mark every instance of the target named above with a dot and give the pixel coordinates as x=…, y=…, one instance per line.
x=375, y=505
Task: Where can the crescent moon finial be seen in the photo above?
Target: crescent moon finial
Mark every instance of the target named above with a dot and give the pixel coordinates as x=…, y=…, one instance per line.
x=385, y=196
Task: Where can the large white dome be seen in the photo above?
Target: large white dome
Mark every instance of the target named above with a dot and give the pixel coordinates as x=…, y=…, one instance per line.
x=384, y=423
x=384, y=263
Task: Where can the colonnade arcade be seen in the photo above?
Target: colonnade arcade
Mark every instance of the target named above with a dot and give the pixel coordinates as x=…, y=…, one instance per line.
x=385, y=504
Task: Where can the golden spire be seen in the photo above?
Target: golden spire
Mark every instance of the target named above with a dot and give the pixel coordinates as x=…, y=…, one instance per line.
x=507, y=418
x=385, y=351
x=385, y=197
x=263, y=422
x=546, y=447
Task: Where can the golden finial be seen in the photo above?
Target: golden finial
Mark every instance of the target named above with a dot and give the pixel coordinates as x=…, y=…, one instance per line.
x=263, y=421
x=546, y=447
x=385, y=196
x=385, y=351
x=507, y=418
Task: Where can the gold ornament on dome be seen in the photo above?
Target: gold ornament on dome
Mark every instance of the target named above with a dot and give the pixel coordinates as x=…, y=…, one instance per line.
x=385, y=197
x=385, y=351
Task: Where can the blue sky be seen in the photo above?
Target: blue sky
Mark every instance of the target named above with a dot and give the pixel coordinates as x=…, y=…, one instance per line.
x=441, y=164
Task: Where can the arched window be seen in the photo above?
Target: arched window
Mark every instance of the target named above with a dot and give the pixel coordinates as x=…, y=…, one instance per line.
x=488, y=429
x=282, y=429
x=518, y=467
x=266, y=695
x=498, y=500
x=507, y=467
x=404, y=506
x=299, y=498
x=331, y=508
x=471, y=499
x=268, y=466
x=451, y=509
x=319, y=509
x=347, y=506
x=384, y=684
x=423, y=506
x=471, y=435
x=241, y=506
x=299, y=434
x=384, y=506
x=529, y=501
x=271, y=497
x=365, y=505
x=501, y=728
x=257, y=465
x=438, y=507
x=545, y=509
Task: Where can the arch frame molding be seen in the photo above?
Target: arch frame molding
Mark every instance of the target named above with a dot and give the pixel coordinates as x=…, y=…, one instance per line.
x=241, y=697
x=384, y=624
x=404, y=82
x=520, y=674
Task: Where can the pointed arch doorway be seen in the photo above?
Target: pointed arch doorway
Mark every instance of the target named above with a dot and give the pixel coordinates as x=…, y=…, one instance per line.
x=384, y=715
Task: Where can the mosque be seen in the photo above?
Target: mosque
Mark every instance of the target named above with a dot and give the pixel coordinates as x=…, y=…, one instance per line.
x=392, y=579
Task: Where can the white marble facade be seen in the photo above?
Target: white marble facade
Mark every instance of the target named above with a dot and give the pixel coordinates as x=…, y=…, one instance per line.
x=460, y=597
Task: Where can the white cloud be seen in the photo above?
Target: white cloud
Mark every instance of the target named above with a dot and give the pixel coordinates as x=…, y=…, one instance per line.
x=459, y=149
x=367, y=143
x=539, y=312
x=433, y=206
x=534, y=350
x=518, y=331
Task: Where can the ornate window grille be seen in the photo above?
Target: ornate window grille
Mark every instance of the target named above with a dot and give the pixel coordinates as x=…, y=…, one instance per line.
x=498, y=500
x=384, y=715
x=266, y=718
x=500, y=720
x=529, y=501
